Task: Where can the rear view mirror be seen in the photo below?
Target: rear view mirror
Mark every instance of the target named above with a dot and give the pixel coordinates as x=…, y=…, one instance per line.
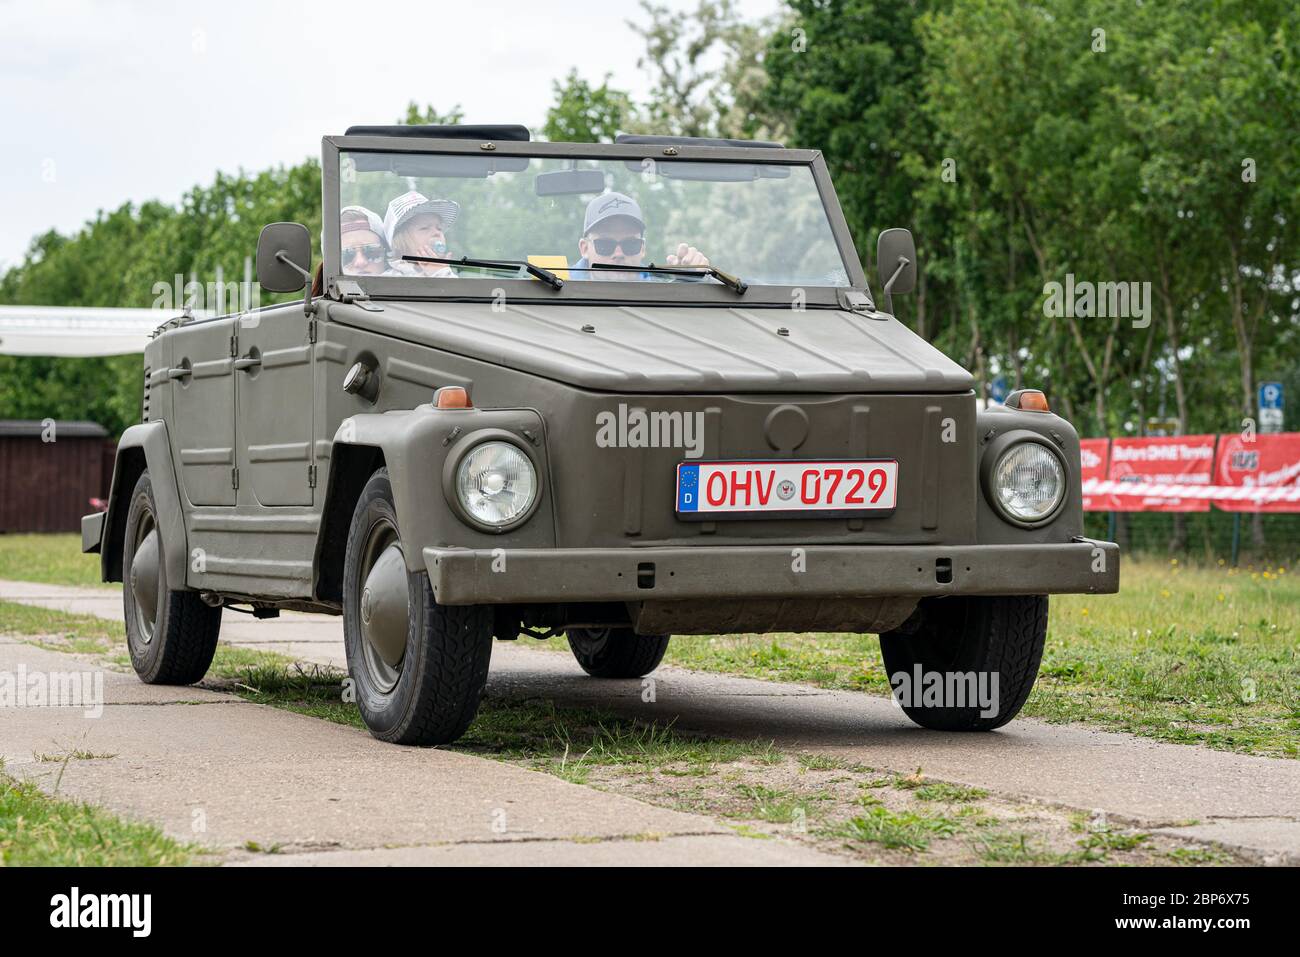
x=283, y=257
x=569, y=182
x=705, y=172
x=440, y=165
x=896, y=264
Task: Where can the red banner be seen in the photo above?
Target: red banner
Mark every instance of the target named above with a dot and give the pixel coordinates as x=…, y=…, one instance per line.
x=1267, y=461
x=1094, y=456
x=1162, y=460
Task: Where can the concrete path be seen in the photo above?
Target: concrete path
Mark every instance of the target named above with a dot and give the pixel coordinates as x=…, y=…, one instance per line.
x=1247, y=803
x=215, y=769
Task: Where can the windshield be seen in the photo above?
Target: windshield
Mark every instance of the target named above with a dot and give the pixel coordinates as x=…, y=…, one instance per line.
x=585, y=220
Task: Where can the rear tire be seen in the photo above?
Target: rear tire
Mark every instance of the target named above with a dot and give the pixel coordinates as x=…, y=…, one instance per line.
x=617, y=652
x=419, y=667
x=170, y=634
x=1002, y=636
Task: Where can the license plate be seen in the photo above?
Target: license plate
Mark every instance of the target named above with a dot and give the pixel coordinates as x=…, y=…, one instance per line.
x=759, y=489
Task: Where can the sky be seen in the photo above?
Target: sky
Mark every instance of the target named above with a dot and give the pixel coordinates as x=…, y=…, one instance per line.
x=114, y=101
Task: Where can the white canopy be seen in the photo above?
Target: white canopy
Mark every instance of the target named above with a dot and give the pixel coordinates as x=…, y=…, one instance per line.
x=76, y=330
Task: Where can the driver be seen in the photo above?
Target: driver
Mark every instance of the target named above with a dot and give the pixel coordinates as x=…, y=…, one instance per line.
x=613, y=233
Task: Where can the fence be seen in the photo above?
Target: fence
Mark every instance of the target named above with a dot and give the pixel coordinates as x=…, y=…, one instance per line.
x=1204, y=497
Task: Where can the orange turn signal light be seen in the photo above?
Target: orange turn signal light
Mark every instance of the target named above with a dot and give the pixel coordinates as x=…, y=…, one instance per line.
x=1028, y=400
x=452, y=397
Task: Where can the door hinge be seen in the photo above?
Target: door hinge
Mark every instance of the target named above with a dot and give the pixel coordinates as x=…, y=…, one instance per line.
x=311, y=476
x=234, y=345
x=311, y=330
x=234, y=478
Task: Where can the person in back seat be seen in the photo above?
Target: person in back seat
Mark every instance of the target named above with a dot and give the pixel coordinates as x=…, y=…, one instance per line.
x=417, y=226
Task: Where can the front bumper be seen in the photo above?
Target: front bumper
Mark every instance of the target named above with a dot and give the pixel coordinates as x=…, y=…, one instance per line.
x=462, y=576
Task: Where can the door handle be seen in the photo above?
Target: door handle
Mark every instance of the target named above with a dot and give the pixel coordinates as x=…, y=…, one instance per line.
x=180, y=372
x=245, y=363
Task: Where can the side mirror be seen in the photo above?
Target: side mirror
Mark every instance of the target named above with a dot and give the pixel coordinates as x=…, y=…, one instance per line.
x=896, y=264
x=284, y=257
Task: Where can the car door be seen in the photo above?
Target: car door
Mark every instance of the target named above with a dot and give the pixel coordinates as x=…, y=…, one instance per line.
x=203, y=410
x=273, y=370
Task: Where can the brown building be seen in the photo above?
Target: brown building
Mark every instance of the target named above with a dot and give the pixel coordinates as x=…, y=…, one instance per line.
x=49, y=472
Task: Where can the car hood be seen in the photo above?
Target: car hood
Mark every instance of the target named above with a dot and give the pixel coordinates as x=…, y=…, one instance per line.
x=676, y=349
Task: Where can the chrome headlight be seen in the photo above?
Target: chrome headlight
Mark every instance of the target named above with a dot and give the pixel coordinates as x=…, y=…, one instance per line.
x=496, y=483
x=1028, y=482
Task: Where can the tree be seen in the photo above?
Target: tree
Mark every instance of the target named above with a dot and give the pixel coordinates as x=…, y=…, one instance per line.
x=708, y=72
x=583, y=113
x=430, y=115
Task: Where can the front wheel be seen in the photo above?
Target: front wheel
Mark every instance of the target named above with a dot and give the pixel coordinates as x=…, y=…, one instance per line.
x=419, y=667
x=616, y=652
x=966, y=663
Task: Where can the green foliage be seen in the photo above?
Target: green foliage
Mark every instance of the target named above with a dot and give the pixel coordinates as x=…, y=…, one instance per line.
x=431, y=116
x=587, y=114
x=1017, y=141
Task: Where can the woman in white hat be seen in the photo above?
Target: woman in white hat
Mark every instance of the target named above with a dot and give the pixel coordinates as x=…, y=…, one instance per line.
x=363, y=241
x=416, y=226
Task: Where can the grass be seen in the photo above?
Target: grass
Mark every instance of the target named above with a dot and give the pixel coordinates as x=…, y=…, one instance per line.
x=830, y=803
x=567, y=742
x=39, y=830
x=1188, y=654
x=49, y=559
x=1193, y=655
x=899, y=830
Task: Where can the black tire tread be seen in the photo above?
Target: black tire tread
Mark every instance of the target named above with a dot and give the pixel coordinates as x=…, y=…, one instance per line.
x=187, y=628
x=625, y=655
x=1005, y=634
x=455, y=671
x=441, y=693
x=190, y=642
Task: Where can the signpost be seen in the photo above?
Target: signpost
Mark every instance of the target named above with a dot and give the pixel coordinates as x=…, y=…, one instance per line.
x=1270, y=407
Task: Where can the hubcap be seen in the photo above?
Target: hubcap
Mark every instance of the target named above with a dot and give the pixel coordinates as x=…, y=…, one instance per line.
x=383, y=606
x=145, y=569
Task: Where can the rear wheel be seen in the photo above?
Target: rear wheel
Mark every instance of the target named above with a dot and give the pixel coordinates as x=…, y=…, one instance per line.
x=170, y=634
x=419, y=667
x=616, y=652
x=986, y=649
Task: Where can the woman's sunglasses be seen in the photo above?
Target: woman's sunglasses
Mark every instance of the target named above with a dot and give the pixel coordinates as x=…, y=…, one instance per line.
x=371, y=252
x=630, y=246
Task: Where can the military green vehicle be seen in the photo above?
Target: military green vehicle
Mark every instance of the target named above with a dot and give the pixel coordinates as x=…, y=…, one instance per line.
x=619, y=392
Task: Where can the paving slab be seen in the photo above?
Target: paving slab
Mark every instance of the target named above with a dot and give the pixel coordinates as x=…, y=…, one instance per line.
x=1251, y=804
x=215, y=769
x=700, y=850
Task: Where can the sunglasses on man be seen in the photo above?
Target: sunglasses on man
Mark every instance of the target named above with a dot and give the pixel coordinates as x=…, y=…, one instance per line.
x=630, y=246
x=370, y=252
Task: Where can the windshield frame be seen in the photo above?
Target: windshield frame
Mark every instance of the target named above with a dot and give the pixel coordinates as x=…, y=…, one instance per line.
x=665, y=293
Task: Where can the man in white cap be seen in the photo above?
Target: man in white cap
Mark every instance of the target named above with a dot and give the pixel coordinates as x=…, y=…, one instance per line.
x=613, y=233
x=416, y=226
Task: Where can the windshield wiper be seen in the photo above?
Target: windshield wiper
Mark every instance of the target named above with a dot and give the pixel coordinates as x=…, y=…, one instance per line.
x=731, y=282
x=545, y=275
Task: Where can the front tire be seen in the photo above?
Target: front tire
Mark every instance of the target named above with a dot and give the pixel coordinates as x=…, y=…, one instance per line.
x=170, y=634
x=419, y=667
x=986, y=636
x=616, y=652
